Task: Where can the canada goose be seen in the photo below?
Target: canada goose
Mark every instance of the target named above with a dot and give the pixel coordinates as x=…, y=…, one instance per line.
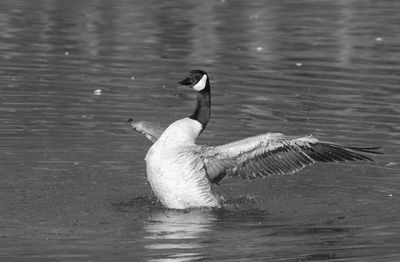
x=181, y=172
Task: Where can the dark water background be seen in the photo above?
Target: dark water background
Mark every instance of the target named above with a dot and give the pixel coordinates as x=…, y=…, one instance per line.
x=72, y=175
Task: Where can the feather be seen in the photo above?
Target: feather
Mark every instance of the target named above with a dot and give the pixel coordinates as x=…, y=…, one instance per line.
x=274, y=154
x=152, y=131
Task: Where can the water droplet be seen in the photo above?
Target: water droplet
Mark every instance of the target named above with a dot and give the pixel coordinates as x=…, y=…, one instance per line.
x=66, y=53
x=378, y=39
x=253, y=16
x=259, y=48
x=132, y=78
x=299, y=64
x=97, y=92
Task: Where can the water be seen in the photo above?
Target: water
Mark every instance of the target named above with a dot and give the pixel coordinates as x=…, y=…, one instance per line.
x=73, y=184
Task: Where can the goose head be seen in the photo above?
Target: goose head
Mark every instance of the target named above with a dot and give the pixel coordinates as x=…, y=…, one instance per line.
x=197, y=79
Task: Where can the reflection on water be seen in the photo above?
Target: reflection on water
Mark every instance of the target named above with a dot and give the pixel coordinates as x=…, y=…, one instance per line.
x=178, y=235
x=197, y=235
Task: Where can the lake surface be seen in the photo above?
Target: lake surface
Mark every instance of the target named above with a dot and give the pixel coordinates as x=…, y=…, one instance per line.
x=72, y=175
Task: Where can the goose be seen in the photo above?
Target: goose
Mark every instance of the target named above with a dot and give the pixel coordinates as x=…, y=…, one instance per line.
x=181, y=173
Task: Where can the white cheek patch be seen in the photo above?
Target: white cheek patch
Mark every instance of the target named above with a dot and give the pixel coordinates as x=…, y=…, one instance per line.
x=201, y=84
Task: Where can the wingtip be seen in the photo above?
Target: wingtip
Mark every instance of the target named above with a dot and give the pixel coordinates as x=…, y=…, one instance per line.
x=129, y=122
x=135, y=125
x=369, y=150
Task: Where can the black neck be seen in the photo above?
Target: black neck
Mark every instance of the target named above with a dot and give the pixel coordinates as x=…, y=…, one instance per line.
x=203, y=107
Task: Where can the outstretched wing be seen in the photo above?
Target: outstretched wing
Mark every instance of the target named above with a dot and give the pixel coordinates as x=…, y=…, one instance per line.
x=274, y=154
x=150, y=130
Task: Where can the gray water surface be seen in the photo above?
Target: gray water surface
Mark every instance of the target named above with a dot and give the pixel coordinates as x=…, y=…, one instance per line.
x=72, y=175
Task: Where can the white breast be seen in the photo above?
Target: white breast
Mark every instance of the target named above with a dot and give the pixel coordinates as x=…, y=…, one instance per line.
x=175, y=171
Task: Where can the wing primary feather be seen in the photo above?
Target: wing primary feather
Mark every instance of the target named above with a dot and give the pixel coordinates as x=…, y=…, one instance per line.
x=277, y=165
x=272, y=165
x=292, y=164
x=370, y=150
x=314, y=153
x=297, y=161
x=346, y=153
x=273, y=154
x=265, y=167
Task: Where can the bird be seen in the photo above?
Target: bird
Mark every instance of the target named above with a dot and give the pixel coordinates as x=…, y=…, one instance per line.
x=182, y=173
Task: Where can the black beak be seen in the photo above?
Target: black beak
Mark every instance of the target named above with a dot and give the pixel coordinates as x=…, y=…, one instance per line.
x=185, y=82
